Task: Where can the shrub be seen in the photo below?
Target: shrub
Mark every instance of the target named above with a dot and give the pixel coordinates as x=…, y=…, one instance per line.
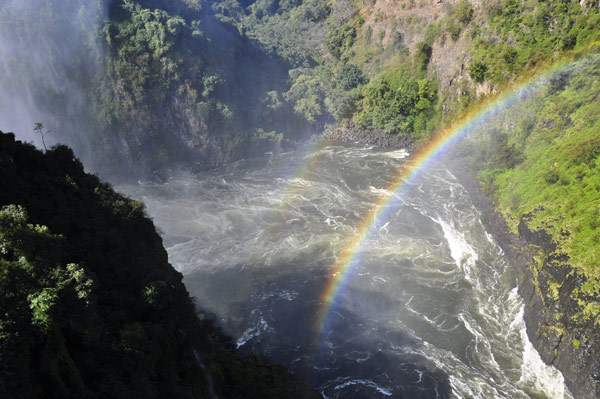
x=551, y=177
x=463, y=11
x=454, y=30
x=341, y=40
x=478, y=70
x=423, y=55
x=350, y=76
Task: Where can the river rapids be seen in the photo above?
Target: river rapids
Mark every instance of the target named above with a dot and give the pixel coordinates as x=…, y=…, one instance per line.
x=430, y=309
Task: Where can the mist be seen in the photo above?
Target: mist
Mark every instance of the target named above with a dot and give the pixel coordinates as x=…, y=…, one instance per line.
x=49, y=58
x=137, y=89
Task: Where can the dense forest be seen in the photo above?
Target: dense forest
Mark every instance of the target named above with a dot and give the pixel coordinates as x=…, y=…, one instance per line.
x=90, y=305
x=146, y=85
x=152, y=85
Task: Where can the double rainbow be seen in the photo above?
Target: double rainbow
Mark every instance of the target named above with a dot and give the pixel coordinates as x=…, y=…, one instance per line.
x=348, y=258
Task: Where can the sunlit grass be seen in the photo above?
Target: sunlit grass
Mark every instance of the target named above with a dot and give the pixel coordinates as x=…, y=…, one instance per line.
x=558, y=177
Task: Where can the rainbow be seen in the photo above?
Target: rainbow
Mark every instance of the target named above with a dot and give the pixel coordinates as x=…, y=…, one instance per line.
x=311, y=157
x=348, y=258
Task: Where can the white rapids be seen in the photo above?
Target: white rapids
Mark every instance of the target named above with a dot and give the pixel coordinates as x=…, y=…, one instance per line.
x=430, y=309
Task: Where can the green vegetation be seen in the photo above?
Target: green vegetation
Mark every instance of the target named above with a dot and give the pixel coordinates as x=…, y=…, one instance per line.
x=531, y=33
x=350, y=76
x=89, y=305
x=543, y=163
x=463, y=11
x=328, y=79
x=341, y=40
x=397, y=104
x=164, y=82
x=174, y=66
x=307, y=94
x=151, y=84
x=478, y=70
x=504, y=40
x=145, y=56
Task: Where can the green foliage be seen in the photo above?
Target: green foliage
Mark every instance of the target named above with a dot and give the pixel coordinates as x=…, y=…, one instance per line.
x=41, y=305
x=423, y=55
x=392, y=101
x=339, y=41
x=343, y=104
x=172, y=77
x=350, y=76
x=284, y=30
x=477, y=71
x=157, y=82
x=89, y=305
x=454, y=29
x=543, y=159
x=503, y=154
x=397, y=42
x=144, y=45
x=523, y=34
x=307, y=96
x=463, y=11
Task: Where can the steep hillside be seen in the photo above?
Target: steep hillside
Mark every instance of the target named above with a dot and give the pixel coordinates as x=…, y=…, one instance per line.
x=405, y=68
x=541, y=165
x=89, y=305
x=141, y=86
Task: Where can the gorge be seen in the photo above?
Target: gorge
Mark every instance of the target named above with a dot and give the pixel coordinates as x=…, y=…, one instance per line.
x=429, y=310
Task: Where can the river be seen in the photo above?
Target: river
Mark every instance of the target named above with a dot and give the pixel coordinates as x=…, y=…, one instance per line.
x=429, y=310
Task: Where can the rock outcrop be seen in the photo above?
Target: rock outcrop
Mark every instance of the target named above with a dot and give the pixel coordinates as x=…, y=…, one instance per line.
x=574, y=350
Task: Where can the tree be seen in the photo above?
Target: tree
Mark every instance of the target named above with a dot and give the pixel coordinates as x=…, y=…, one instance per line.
x=39, y=127
x=341, y=40
x=350, y=76
x=306, y=96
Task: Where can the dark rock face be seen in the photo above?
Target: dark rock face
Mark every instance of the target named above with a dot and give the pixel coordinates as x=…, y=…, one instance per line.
x=546, y=282
x=352, y=134
x=539, y=238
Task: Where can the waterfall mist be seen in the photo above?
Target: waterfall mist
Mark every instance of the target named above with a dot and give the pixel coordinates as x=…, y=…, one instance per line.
x=140, y=88
x=50, y=58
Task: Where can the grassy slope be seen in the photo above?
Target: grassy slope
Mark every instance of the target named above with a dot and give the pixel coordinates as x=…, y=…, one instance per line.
x=556, y=139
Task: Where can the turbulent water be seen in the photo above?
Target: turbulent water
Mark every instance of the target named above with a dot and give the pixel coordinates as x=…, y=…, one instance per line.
x=430, y=309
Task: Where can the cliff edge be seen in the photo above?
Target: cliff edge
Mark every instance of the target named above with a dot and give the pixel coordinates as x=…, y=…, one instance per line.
x=90, y=306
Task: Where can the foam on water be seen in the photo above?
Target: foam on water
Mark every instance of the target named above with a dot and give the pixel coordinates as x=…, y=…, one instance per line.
x=252, y=332
x=432, y=289
x=366, y=383
x=398, y=154
x=464, y=255
x=534, y=372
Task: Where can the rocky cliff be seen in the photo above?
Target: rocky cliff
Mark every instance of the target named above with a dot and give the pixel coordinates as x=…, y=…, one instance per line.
x=90, y=306
x=548, y=313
